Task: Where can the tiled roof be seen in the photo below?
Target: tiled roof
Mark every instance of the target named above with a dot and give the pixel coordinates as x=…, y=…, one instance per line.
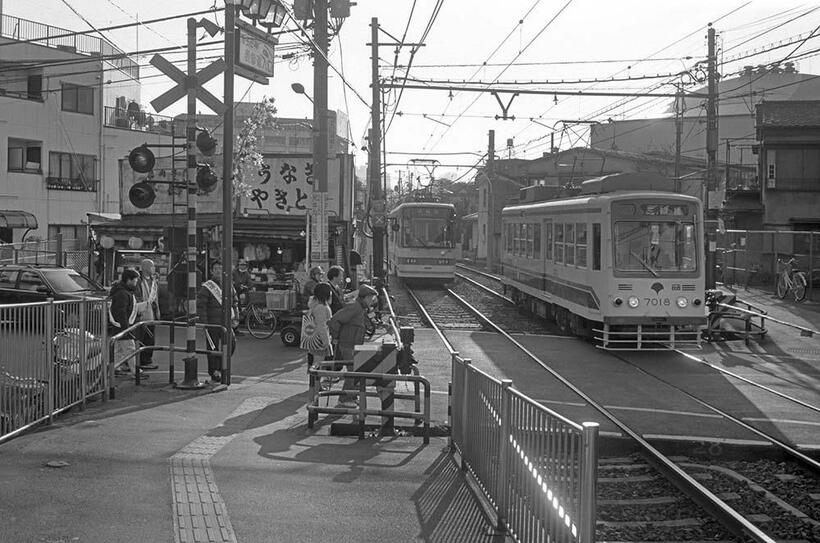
x=801, y=113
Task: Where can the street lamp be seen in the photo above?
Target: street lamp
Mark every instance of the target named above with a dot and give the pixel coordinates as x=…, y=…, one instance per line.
x=259, y=10
x=298, y=88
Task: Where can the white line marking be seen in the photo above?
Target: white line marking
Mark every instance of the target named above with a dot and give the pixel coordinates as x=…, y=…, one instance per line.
x=707, y=439
x=783, y=421
x=663, y=411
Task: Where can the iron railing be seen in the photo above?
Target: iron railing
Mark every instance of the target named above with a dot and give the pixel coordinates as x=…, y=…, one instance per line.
x=537, y=469
x=140, y=121
x=78, y=184
x=73, y=253
x=52, y=357
x=19, y=29
x=749, y=257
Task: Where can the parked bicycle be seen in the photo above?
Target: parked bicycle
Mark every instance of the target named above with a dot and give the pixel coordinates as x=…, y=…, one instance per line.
x=790, y=279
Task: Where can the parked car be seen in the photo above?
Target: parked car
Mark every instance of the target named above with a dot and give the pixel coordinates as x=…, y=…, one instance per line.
x=27, y=283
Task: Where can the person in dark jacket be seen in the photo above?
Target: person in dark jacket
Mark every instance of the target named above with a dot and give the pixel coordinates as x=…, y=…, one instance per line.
x=122, y=313
x=347, y=329
x=336, y=278
x=210, y=311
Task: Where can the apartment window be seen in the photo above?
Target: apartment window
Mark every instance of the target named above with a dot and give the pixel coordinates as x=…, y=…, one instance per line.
x=34, y=87
x=69, y=231
x=25, y=156
x=581, y=245
x=78, y=99
x=74, y=167
x=771, y=170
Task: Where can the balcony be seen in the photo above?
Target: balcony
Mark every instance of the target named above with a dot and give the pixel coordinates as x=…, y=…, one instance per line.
x=81, y=185
x=140, y=121
x=15, y=28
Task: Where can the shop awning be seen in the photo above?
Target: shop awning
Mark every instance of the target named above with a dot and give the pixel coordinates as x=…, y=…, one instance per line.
x=17, y=219
x=103, y=217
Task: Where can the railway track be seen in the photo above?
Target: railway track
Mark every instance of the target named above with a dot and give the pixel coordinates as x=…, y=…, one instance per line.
x=650, y=496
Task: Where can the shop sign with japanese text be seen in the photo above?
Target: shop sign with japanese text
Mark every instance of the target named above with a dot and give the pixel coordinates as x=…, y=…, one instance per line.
x=284, y=186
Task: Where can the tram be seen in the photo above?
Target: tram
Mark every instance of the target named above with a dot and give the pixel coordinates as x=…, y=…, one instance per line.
x=622, y=263
x=421, y=242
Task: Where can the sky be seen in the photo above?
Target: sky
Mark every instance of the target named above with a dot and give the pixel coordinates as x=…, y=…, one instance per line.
x=536, y=43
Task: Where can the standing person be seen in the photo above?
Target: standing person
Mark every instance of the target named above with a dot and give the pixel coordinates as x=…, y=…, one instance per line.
x=122, y=313
x=319, y=345
x=347, y=329
x=210, y=311
x=242, y=285
x=314, y=278
x=336, y=278
x=147, y=290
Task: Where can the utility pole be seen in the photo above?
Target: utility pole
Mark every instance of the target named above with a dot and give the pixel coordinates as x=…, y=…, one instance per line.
x=711, y=161
x=191, y=380
x=490, y=200
x=376, y=195
x=678, y=134
x=227, y=185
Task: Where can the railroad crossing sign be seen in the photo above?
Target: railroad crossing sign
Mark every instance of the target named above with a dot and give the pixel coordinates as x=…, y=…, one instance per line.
x=379, y=220
x=183, y=83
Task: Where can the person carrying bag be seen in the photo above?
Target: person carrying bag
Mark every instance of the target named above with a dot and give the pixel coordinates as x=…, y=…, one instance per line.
x=315, y=333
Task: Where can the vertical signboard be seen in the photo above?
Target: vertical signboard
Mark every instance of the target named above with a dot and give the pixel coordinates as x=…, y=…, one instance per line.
x=319, y=227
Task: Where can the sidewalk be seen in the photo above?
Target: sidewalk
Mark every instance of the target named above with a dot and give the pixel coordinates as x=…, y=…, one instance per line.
x=161, y=464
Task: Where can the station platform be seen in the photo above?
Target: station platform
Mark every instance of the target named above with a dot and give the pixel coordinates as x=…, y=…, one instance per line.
x=162, y=464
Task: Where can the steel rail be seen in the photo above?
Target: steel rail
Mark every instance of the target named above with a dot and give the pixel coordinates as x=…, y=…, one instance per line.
x=480, y=272
x=727, y=516
x=806, y=460
x=429, y=319
x=485, y=288
x=749, y=381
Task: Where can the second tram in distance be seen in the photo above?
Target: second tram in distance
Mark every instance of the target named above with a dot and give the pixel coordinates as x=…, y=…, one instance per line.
x=421, y=242
x=623, y=262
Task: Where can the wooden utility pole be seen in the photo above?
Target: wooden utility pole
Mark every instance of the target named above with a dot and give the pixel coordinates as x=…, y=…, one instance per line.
x=712, y=206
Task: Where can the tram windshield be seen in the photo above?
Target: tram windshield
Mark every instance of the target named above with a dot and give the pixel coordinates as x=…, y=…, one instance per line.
x=655, y=247
x=427, y=227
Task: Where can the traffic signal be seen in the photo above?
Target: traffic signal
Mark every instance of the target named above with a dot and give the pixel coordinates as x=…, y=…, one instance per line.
x=205, y=143
x=206, y=178
x=142, y=195
x=141, y=159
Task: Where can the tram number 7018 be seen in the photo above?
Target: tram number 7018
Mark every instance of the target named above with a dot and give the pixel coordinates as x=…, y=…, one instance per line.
x=657, y=301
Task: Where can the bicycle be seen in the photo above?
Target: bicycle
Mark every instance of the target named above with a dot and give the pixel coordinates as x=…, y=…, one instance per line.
x=790, y=279
x=261, y=322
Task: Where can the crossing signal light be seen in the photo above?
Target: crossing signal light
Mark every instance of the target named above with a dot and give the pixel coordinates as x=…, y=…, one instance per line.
x=141, y=159
x=142, y=195
x=205, y=143
x=206, y=178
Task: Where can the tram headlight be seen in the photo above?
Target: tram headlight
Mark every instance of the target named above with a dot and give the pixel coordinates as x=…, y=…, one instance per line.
x=633, y=302
x=617, y=302
x=697, y=302
x=682, y=302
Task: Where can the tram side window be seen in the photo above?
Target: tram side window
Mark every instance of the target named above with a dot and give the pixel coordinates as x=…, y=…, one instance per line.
x=528, y=238
x=548, y=240
x=536, y=241
x=596, y=246
x=559, y=243
x=569, y=244
x=581, y=245
x=516, y=239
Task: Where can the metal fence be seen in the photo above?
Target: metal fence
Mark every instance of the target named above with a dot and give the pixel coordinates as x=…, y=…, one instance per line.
x=750, y=257
x=73, y=253
x=537, y=469
x=53, y=356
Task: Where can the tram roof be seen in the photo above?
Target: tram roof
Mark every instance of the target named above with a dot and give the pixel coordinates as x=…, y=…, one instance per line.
x=588, y=200
x=407, y=205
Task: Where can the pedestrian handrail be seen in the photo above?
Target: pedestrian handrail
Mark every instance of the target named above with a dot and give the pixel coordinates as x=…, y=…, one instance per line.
x=162, y=348
x=361, y=411
x=537, y=468
x=394, y=326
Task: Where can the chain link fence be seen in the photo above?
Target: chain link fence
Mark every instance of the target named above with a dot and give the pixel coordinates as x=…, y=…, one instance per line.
x=74, y=253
